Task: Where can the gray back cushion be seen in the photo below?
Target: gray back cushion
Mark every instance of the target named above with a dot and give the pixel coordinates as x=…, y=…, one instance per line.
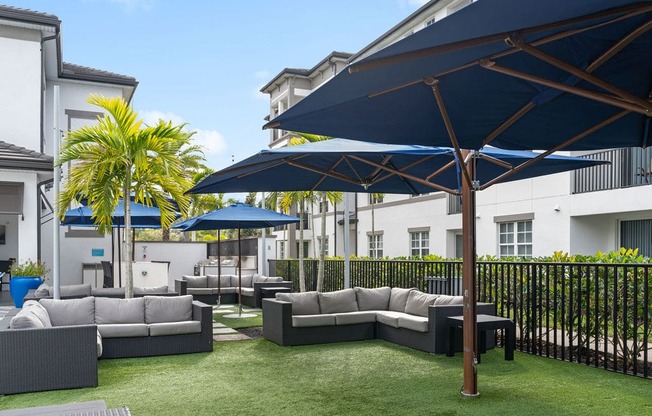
x=449, y=300
x=373, y=299
x=196, y=281
x=418, y=303
x=70, y=311
x=39, y=311
x=225, y=280
x=304, y=303
x=168, y=309
x=246, y=280
x=274, y=279
x=260, y=279
x=338, y=301
x=398, y=298
x=42, y=291
x=119, y=311
x=25, y=319
x=75, y=290
x=153, y=290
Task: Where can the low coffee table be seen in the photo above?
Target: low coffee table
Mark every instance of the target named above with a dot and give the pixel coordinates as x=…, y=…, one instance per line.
x=485, y=323
x=270, y=292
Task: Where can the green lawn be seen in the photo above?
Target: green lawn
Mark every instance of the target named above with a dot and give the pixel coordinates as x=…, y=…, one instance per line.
x=237, y=323
x=374, y=377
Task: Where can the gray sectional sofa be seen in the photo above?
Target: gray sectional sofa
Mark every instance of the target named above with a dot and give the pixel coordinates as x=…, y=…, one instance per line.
x=80, y=291
x=404, y=316
x=55, y=344
x=206, y=288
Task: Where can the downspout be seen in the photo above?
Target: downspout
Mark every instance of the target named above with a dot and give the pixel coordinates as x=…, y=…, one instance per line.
x=44, y=85
x=357, y=220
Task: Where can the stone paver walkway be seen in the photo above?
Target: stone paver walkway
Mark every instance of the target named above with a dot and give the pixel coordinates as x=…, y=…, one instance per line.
x=223, y=333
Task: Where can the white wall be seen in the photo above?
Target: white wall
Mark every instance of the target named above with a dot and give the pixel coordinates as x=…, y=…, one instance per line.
x=20, y=82
x=182, y=255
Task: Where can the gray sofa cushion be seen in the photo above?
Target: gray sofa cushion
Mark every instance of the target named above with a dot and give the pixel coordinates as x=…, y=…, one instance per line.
x=398, y=298
x=152, y=290
x=224, y=280
x=303, y=303
x=123, y=330
x=260, y=279
x=246, y=280
x=373, y=299
x=247, y=291
x=389, y=318
x=75, y=290
x=99, y=344
x=360, y=317
x=168, y=309
x=224, y=290
x=70, y=311
x=114, y=292
x=39, y=311
x=196, y=281
x=415, y=323
x=174, y=328
x=25, y=319
x=418, y=303
x=119, y=311
x=338, y=301
x=42, y=291
x=449, y=300
x=200, y=290
x=313, y=320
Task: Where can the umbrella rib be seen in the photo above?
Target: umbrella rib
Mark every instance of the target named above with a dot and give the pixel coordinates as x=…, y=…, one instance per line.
x=603, y=98
x=354, y=170
x=631, y=10
x=331, y=169
x=529, y=49
x=496, y=161
x=323, y=172
x=548, y=152
x=404, y=175
x=442, y=169
x=404, y=168
x=449, y=127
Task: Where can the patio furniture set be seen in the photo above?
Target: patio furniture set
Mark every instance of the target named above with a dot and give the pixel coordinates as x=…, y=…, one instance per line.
x=206, y=288
x=55, y=344
x=80, y=291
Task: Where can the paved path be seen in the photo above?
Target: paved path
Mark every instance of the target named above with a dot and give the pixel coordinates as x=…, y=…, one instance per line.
x=222, y=332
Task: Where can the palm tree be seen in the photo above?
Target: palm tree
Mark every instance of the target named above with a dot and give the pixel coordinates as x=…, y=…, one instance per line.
x=119, y=157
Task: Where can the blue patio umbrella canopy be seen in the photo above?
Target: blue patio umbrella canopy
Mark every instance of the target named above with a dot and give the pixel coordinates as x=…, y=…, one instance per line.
x=516, y=74
x=238, y=216
x=142, y=216
x=355, y=166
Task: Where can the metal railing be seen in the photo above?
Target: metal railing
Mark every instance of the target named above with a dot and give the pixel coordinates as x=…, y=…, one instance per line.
x=595, y=314
x=629, y=167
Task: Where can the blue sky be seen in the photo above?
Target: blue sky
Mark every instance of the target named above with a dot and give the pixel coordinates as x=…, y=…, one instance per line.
x=204, y=61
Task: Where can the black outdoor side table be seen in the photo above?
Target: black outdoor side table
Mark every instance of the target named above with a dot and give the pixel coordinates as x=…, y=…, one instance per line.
x=270, y=292
x=485, y=323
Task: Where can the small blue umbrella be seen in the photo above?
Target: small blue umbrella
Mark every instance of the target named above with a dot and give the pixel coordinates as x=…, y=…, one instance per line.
x=234, y=216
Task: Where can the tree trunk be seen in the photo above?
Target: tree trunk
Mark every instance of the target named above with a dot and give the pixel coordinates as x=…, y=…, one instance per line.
x=165, y=234
x=312, y=222
x=302, y=274
x=129, y=278
x=322, y=250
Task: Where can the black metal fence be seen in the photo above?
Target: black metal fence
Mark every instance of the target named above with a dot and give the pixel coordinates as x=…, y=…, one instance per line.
x=596, y=314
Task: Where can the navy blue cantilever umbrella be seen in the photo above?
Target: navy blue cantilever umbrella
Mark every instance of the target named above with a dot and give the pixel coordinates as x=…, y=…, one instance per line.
x=238, y=216
x=516, y=74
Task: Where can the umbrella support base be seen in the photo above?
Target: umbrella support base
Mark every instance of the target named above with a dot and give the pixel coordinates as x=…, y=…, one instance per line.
x=240, y=315
x=468, y=395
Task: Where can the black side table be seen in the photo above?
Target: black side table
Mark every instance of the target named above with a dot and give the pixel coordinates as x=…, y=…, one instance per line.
x=270, y=292
x=485, y=323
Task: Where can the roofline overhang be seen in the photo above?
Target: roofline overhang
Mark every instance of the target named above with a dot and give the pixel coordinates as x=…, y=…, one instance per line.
x=306, y=72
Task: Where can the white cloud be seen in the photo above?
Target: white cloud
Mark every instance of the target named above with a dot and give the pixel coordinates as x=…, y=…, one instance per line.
x=211, y=140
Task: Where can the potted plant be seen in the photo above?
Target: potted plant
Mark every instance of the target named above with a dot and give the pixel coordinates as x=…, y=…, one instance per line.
x=25, y=276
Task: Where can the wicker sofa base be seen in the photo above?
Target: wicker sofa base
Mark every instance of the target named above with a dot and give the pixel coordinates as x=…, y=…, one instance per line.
x=277, y=327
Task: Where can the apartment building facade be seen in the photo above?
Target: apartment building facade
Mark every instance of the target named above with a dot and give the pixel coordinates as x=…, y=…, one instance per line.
x=31, y=50
x=597, y=209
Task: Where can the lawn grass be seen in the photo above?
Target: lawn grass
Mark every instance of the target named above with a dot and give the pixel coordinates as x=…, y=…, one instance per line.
x=372, y=377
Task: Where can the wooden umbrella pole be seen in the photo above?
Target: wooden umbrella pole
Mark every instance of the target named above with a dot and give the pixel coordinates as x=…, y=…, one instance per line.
x=219, y=271
x=470, y=388
x=239, y=274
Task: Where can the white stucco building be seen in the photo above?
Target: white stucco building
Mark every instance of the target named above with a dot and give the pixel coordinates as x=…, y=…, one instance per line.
x=600, y=209
x=32, y=64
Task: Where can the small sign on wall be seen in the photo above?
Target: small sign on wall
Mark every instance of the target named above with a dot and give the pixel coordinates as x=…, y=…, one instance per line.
x=97, y=252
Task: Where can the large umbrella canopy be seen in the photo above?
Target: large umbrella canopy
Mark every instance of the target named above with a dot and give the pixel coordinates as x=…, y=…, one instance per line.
x=355, y=166
x=518, y=74
x=234, y=216
x=142, y=216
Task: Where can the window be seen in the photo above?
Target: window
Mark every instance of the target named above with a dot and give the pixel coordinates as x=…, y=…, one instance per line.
x=323, y=206
x=376, y=246
x=322, y=242
x=431, y=21
x=376, y=198
x=420, y=243
x=281, y=250
x=306, y=249
x=636, y=234
x=515, y=239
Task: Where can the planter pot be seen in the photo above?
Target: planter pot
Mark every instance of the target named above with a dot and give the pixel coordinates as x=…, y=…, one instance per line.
x=20, y=285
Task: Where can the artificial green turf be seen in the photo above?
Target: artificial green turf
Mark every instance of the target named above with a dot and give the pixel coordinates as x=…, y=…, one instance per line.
x=373, y=377
x=236, y=323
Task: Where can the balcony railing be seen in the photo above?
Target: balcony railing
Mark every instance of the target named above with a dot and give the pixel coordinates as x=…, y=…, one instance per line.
x=629, y=167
